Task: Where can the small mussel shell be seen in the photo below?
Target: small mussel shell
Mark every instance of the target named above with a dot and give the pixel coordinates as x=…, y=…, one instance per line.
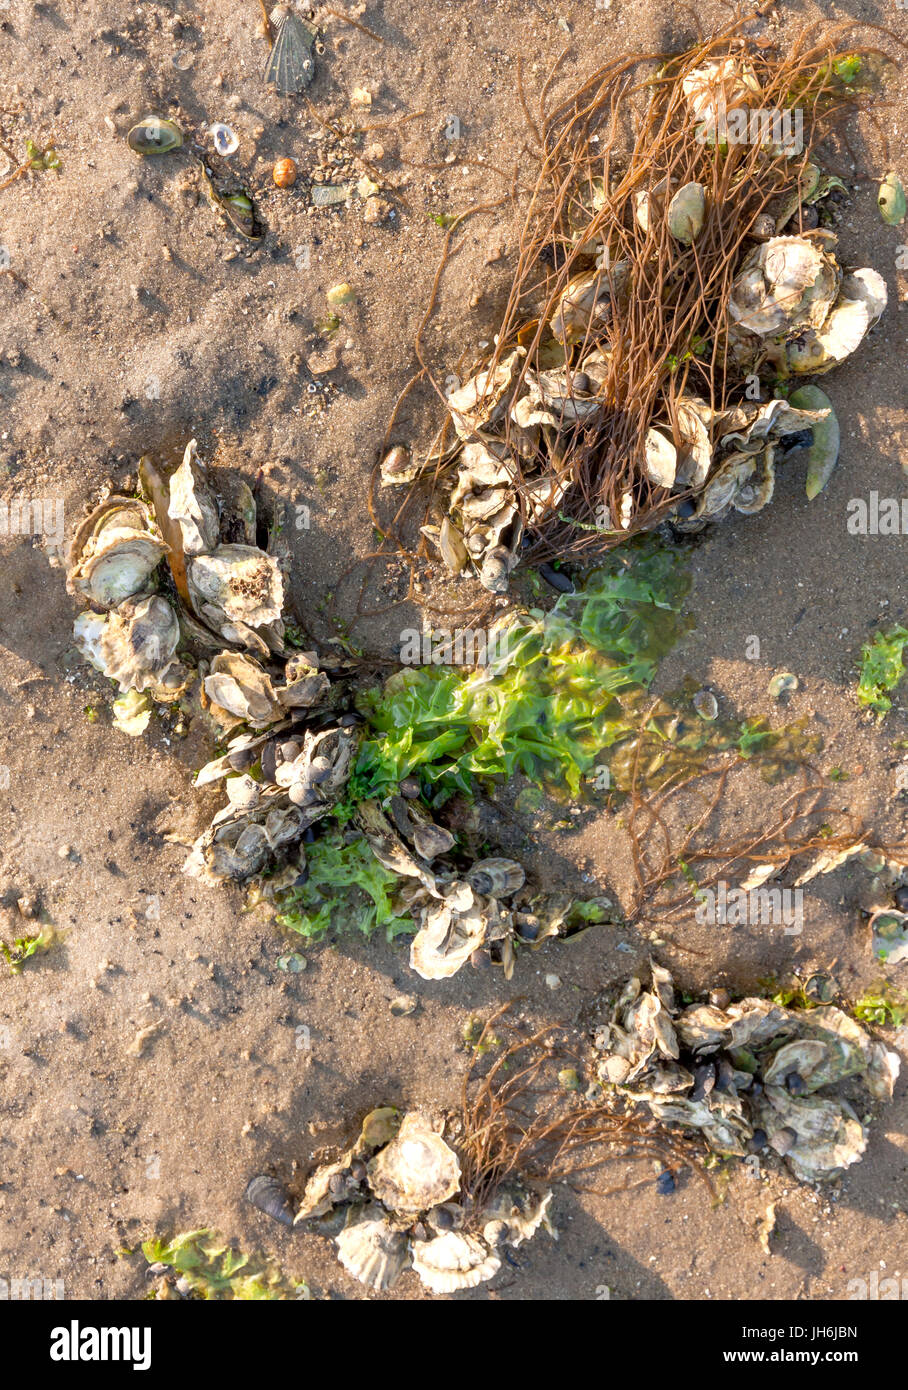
x=706, y=704
x=496, y=878
x=154, y=135
x=782, y=684
x=686, y=213
x=820, y=988
x=266, y=1194
x=891, y=200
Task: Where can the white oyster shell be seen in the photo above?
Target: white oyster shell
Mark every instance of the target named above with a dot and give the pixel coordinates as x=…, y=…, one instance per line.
x=372, y=1249
x=417, y=1170
x=453, y=1261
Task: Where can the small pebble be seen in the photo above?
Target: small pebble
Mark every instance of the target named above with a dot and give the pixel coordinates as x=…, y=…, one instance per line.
x=553, y=981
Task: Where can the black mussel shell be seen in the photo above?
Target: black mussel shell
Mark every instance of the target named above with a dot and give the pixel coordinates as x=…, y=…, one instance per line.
x=267, y=1194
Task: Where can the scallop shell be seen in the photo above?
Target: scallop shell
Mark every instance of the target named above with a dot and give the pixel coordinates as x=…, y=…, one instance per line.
x=453, y=1261
x=417, y=1170
x=372, y=1250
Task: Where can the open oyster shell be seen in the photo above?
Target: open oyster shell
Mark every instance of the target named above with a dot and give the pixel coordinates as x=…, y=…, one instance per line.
x=372, y=1248
x=756, y=1065
x=240, y=691
x=135, y=645
x=236, y=587
x=192, y=505
x=114, y=553
x=417, y=1170
x=452, y=1261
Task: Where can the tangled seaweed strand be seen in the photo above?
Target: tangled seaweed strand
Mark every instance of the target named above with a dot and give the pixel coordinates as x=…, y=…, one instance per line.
x=518, y=1121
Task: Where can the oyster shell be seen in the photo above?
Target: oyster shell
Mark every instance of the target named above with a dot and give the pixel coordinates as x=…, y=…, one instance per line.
x=661, y=459
x=114, y=553
x=235, y=850
x=480, y=401
x=304, y=685
x=446, y=940
x=236, y=585
x=417, y=1170
x=134, y=645
x=192, y=506
x=860, y=303
x=828, y=1137
x=372, y=1249
x=452, y=1261
x=784, y=285
x=240, y=689
x=715, y=86
x=585, y=305
x=497, y=878
x=515, y=1215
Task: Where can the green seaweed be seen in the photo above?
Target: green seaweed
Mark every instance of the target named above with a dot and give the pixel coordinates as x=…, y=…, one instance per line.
x=548, y=705
x=22, y=948
x=882, y=668
x=567, y=688
x=217, y=1271
x=882, y=1007
x=359, y=896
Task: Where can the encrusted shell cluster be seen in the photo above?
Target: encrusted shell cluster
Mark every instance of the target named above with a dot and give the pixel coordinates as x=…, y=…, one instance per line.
x=397, y=1190
x=746, y=1076
x=222, y=601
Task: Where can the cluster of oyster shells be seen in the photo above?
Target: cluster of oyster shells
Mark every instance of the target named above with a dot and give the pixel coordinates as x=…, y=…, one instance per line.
x=791, y=311
x=397, y=1191
x=793, y=308
x=225, y=600
x=747, y=1077
x=458, y=914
